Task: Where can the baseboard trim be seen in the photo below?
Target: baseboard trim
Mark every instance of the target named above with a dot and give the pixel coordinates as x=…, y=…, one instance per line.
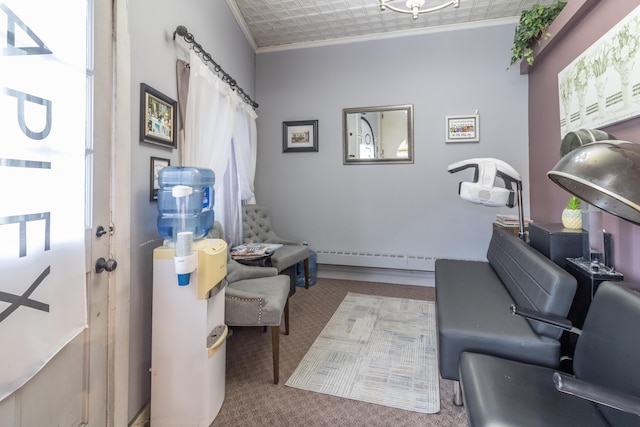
x=142, y=418
x=382, y=275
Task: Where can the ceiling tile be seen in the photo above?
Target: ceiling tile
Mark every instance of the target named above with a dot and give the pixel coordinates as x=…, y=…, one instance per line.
x=278, y=23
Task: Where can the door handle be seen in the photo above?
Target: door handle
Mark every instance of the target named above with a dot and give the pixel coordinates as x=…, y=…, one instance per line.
x=103, y=264
x=100, y=231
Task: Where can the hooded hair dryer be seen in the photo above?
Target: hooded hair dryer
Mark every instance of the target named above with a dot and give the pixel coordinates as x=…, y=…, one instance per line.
x=483, y=190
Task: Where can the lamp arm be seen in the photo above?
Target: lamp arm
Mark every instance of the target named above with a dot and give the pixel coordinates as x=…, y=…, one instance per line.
x=521, y=233
x=460, y=166
x=596, y=393
x=509, y=182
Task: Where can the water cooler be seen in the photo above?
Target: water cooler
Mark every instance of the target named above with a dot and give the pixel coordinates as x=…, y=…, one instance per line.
x=188, y=340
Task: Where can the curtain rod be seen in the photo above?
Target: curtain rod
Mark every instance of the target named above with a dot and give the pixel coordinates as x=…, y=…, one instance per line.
x=181, y=30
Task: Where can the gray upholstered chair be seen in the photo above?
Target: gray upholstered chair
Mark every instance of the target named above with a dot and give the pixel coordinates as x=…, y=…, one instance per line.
x=256, y=228
x=256, y=296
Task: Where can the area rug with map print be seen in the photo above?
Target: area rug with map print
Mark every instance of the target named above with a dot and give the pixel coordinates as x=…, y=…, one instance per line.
x=375, y=349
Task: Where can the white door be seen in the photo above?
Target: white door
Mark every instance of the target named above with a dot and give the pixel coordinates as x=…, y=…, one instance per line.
x=73, y=388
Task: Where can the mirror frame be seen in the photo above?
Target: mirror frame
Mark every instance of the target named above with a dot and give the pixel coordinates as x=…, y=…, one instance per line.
x=345, y=136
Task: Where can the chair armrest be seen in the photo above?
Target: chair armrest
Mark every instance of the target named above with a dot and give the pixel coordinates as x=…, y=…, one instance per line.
x=596, y=393
x=243, y=295
x=549, y=319
x=237, y=271
x=278, y=239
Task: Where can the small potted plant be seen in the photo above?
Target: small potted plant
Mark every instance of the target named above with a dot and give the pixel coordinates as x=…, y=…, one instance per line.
x=532, y=29
x=572, y=215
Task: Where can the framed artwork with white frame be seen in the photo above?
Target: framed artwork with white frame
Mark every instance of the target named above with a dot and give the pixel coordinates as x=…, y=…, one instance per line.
x=463, y=128
x=300, y=136
x=157, y=164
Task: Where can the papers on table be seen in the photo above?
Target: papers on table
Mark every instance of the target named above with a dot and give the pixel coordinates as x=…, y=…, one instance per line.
x=510, y=220
x=253, y=250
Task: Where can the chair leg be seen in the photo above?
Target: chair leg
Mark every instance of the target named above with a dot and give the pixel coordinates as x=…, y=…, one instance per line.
x=275, y=343
x=306, y=273
x=457, y=394
x=286, y=318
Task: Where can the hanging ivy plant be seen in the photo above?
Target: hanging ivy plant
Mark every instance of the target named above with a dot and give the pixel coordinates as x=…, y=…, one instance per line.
x=532, y=29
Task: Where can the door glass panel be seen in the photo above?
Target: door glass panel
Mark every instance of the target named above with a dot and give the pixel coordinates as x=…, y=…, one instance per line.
x=42, y=170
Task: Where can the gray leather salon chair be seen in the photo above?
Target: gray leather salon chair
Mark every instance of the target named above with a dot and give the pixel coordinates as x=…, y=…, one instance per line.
x=604, y=389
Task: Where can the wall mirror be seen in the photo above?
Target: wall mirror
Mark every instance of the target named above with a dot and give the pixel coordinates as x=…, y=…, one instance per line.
x=375, y=135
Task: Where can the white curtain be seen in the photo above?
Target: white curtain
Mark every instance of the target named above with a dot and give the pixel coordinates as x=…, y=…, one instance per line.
x=220, y=134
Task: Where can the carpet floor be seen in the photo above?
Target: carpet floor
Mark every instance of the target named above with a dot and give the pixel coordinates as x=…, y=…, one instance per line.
x=252, y=399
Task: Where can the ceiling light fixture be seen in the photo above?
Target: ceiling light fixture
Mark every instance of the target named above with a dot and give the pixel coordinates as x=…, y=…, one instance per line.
x=414, y=6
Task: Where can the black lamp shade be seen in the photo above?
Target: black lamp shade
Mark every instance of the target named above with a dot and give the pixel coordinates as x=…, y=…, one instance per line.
x=605, y=174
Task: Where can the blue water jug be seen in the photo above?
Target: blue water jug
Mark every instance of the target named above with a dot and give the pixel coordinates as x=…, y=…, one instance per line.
x=191, y=213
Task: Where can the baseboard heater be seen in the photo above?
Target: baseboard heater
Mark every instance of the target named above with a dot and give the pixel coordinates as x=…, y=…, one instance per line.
x=369, y=259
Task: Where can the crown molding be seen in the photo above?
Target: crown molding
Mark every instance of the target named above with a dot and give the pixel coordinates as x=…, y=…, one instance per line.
x=389, y=35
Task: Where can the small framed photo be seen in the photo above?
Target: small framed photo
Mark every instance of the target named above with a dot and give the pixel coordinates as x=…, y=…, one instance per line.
x=158, y=118
x=156, y=164
x=300, y=136
x=463, y=128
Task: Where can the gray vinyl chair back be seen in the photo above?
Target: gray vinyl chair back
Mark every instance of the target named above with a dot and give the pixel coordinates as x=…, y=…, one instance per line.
x=607, y=351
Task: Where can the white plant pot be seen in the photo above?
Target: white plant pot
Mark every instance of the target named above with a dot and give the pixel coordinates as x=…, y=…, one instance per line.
x=572, y=218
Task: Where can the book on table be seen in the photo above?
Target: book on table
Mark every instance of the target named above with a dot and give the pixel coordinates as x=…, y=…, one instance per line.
x=254, y=250
x=511, y=220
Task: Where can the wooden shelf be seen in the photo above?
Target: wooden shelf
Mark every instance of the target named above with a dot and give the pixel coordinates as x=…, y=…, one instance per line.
x=567, y=19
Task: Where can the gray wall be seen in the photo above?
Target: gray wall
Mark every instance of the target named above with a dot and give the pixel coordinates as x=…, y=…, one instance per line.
x=392, y=209
x=153, y=61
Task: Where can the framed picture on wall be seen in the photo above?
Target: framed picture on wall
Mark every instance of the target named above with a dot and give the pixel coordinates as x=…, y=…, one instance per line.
x=156, y=165
x=463, y=128
x=158, y=118
x=300, y=136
